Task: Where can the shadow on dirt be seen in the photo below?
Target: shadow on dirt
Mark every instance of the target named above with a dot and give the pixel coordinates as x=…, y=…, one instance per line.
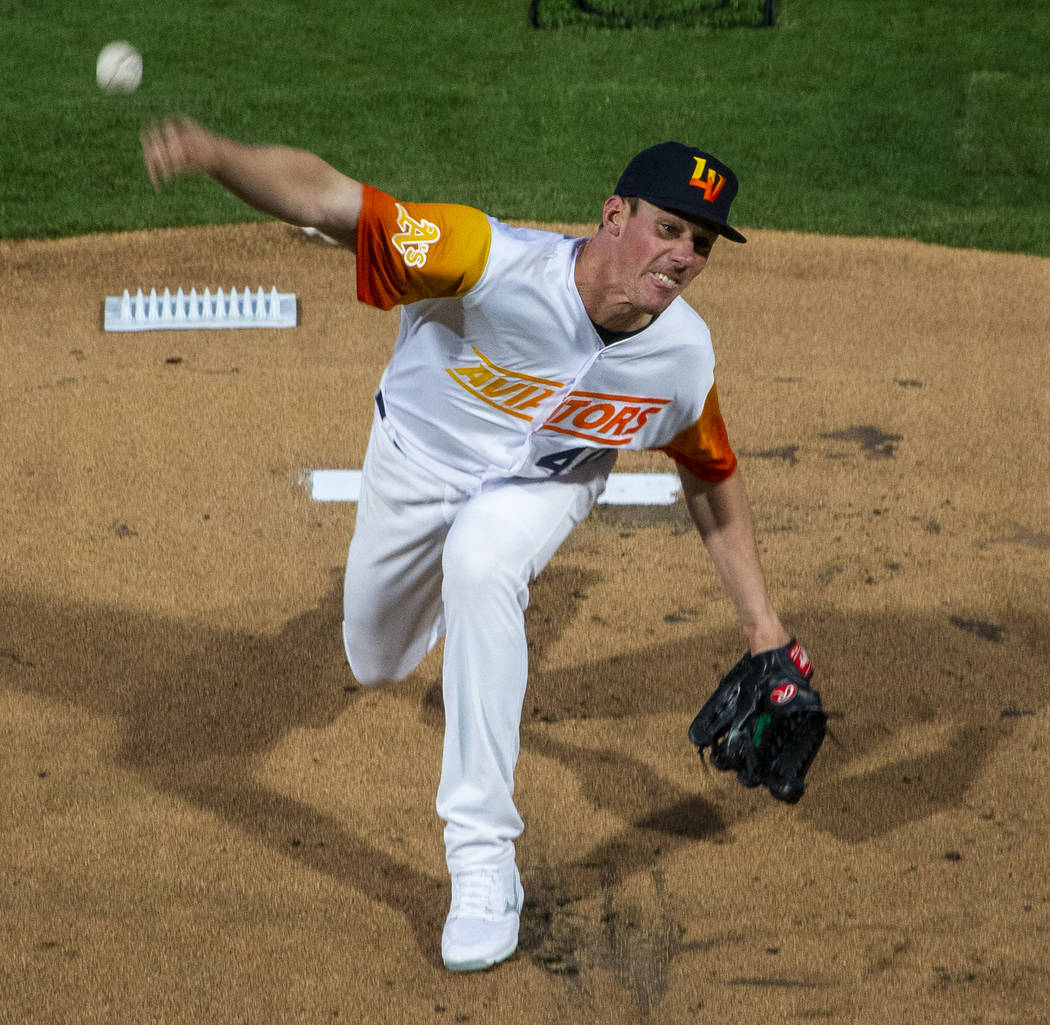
x=201, y=706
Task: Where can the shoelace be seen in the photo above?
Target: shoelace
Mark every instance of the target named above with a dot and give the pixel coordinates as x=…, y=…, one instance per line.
x=476, y=894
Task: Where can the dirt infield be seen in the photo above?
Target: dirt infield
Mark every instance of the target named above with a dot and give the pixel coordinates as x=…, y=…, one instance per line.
x=206, y=820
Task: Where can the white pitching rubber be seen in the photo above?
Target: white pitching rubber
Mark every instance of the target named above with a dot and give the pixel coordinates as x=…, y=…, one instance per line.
x=623, y=488
x=167, y=312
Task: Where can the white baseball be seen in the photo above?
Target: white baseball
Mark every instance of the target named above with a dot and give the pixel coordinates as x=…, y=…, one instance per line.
x=119, y=68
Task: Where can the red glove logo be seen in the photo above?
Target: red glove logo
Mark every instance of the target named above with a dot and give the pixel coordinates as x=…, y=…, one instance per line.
x=783, y=693
x=798, y=655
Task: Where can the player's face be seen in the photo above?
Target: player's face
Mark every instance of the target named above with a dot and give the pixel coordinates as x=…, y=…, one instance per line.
x=660, y=254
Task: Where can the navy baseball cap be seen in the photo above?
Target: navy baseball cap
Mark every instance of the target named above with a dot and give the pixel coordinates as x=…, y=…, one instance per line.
x=685, y=180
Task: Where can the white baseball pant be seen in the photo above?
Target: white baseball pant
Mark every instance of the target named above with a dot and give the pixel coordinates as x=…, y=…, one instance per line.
x=427, y=560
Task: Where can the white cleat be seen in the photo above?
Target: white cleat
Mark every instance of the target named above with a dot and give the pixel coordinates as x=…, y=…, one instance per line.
x=482, y=925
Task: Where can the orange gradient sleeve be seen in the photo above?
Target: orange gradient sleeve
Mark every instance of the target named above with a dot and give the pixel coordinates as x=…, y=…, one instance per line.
x=410, y=251
x=703, y=448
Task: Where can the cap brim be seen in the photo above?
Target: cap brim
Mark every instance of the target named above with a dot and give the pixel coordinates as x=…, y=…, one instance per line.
x=723, y=229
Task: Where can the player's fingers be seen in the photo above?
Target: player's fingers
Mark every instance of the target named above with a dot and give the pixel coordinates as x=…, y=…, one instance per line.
x=168, y=150
x=153, y=156
x=176, y=154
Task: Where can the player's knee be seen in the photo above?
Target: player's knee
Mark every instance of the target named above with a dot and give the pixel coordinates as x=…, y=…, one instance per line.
x=475, y=568
x=481, y=585
x=368, y=670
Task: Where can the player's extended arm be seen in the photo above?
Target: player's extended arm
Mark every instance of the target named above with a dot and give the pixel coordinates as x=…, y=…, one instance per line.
x=722, y=514
x=291, y=184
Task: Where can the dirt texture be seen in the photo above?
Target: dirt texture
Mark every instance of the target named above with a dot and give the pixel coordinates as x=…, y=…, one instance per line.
x=206, y=820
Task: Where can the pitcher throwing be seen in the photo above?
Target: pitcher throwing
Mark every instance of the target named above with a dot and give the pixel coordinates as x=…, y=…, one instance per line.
x=524, y=362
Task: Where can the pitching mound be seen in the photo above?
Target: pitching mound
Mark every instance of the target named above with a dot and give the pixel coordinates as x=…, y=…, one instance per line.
x=205, y=819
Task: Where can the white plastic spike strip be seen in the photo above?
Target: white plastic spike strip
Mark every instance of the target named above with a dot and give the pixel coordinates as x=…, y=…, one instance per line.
x=167, y=312
x=623, y=488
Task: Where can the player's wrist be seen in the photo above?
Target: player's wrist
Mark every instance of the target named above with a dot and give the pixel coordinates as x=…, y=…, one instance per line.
x=766, y=636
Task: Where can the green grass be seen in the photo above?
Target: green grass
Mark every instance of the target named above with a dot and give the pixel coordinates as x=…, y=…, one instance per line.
x=1006, y=130
x=859, y=117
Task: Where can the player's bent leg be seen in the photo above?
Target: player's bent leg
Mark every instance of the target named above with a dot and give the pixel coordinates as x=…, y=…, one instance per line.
x=392, y=587
x=391, y=610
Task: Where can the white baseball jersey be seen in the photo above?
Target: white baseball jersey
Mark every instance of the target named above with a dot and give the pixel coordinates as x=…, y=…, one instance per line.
x=498, y=372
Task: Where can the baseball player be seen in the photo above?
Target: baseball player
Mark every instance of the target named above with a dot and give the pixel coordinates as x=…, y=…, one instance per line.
x=524, y=362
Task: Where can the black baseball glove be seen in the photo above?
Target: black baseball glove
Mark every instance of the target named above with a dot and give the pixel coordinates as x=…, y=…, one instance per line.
x=764, y=721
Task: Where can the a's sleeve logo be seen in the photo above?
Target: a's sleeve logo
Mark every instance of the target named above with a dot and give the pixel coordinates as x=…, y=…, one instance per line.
x=415, y=238
x=711, y=182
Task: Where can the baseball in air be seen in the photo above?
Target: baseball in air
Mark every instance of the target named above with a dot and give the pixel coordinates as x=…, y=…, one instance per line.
x=119, y=68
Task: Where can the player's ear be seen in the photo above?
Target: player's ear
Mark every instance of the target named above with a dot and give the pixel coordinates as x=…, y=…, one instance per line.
x=615, y=214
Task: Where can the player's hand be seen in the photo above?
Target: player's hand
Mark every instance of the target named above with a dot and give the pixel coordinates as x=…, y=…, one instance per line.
x=177, y=146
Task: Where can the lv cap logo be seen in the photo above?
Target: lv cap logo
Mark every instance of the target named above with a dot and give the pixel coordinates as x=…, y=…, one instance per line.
x=710, y=182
